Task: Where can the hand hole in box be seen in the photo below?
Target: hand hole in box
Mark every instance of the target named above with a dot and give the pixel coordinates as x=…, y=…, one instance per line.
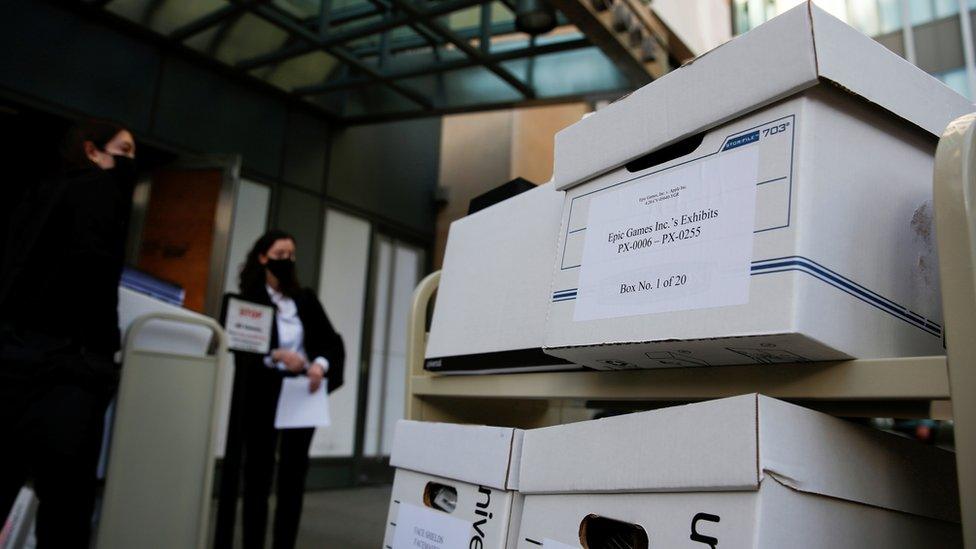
x=598, y=532
x=675, y=150
x=440, y=497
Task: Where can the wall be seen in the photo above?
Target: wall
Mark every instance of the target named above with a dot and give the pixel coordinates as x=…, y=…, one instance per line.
x=475, y=156
x=342, y=289
x=390, y=169
x=481, y=151
x=701, y=25
x=533, y=132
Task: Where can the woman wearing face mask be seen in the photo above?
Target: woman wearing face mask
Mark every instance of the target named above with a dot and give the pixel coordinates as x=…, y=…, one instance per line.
x=303, y=344
x=59, y=328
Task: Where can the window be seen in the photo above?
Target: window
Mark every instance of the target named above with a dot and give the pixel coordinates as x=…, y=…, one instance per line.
x=889, y=15
x=956, y=79
x=920, y=11
x=945, y=8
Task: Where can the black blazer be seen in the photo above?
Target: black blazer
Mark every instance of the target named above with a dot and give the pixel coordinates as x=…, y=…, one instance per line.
x=320, y=339
x=64, y=258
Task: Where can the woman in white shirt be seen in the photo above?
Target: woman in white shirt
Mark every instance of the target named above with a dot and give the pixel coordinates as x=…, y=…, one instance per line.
x=303, y=344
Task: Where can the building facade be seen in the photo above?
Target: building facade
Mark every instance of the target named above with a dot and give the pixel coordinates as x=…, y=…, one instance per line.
x=935, y=35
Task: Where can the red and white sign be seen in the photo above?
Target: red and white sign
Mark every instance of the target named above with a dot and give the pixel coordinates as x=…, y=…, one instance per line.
x=248, y=326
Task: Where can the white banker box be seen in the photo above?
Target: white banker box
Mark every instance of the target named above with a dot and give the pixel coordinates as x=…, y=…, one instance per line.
x=454, y=486
x=741, y=472
x=780, y=216
x=490, y=311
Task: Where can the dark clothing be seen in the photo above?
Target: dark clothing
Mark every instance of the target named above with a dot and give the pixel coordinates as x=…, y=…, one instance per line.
x=62, y=265
x=58, y=334
x=252, y=439
x=52, y=433
x=261, y=440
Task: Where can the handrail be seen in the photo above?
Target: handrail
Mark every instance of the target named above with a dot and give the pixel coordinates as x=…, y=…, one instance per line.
x=954, y=195
x=417, y=330
x=138, y=324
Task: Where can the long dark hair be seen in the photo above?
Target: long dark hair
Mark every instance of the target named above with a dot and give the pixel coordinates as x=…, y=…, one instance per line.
x=96, y=130
x=252, y=279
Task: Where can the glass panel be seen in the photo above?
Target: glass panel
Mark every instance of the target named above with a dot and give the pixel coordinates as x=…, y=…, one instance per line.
x=309, y=9
x=463, y=19
x=889, y=13
x=757, y=12
x=375, y=99
x=945, y=8
x=400, y=39
x=956, y=79
x=500, y=13
x=382, y=282
x=467, y=22
x=163, y=17
x=365, y=43
x=405, y=32
x=741, y=16
x=466, y=87
x=837, y=8
x=407, y=262
x=864, y=16
x=920, y=11
x=304, y=70
x=346, y=4
x=246, y=37
x=575, y=72
x=358, y=23
x=301, y=9
x=342, y=289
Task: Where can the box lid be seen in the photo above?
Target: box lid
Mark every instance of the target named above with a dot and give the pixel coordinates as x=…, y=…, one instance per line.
x=733, y=444
x=495, y=281
x=788, y=54
x=476, y=454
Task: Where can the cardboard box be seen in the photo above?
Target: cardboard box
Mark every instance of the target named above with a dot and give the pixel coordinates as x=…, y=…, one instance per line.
x=781, y=217
x=742, y=472
x=490, y=310
x=477, y=465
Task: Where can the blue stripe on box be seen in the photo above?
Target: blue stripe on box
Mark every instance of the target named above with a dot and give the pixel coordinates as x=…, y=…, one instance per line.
x=812, y=268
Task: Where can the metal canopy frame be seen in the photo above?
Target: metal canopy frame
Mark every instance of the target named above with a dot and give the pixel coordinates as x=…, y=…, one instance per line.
x=370, y=64
x=398, y=13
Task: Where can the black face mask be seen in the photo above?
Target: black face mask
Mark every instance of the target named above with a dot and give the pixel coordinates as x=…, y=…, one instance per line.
x=282, y=269
x=125, y=171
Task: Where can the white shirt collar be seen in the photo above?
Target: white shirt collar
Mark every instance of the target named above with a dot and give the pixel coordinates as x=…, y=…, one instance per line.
x=275, y=295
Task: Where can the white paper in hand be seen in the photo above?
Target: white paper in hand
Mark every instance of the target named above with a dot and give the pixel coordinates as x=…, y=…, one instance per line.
x=298, y=408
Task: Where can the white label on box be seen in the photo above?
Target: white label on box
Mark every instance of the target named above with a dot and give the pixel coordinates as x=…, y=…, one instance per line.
x=677, y=240
x=553, y=544
x=423, y=528
x=248, y=326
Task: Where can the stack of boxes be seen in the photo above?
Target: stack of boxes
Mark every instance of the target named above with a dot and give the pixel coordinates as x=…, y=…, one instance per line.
x=742, y=472
x=766, y=203
x=455, y=486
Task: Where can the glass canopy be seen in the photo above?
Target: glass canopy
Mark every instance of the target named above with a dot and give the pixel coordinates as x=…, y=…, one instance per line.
x=371, y=59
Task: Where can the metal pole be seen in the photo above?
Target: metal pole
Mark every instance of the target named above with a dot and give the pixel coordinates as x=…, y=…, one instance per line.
x=325, y=17
x=965, y=23
x=485, y=23
x=908, y=35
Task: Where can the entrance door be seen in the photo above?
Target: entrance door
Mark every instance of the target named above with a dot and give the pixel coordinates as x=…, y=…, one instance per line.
x=185, y=227
x=398, y=267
